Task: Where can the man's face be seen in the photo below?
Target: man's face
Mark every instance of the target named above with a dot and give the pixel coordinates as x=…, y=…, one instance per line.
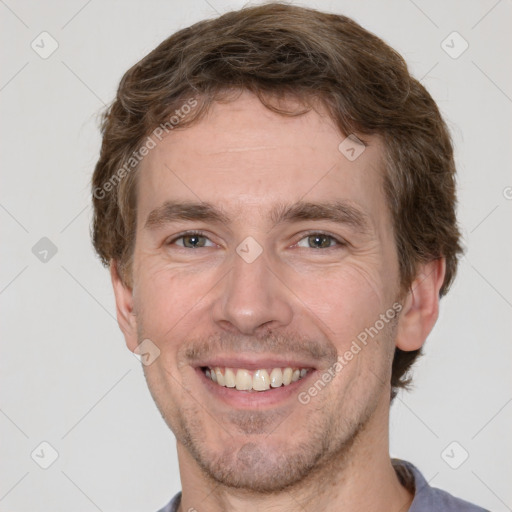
x=271, y=282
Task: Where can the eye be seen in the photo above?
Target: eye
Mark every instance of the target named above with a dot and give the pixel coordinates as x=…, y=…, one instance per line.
x=319, y=241
x=191, y=240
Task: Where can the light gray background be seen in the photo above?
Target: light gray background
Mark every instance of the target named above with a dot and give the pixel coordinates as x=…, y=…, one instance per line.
x=67, y=377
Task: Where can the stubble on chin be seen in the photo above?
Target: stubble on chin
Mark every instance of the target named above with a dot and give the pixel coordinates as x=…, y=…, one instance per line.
x=245, y=454
x=259, y=465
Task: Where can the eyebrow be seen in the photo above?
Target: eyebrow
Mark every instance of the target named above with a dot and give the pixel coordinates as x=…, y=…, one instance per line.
x=339, y=212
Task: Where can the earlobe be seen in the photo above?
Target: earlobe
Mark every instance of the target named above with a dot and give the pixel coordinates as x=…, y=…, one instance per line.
x=124, y=307
x=421, y=306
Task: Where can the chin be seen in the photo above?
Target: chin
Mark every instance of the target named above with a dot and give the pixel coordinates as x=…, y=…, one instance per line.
x=257, y=467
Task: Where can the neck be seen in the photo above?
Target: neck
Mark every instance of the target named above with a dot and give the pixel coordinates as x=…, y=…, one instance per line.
x=362, y=478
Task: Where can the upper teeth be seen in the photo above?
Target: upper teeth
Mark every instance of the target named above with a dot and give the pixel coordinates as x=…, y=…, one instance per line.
x=259, y=380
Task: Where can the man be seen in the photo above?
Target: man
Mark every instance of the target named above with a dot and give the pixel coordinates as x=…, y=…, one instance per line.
x=275, y=199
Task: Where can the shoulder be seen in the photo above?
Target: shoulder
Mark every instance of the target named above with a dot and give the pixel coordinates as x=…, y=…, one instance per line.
x=173, y=505
x=444, y=501
x=427, y=498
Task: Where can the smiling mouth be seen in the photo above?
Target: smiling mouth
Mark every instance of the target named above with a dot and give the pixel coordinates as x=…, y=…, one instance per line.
x=257, y=380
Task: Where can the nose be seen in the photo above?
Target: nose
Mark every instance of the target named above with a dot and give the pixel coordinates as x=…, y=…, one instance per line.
x=252, y=298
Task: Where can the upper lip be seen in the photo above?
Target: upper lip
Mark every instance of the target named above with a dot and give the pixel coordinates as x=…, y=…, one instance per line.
x=251, y=363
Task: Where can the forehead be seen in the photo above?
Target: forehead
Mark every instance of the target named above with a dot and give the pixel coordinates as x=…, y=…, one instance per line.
x=245, y=157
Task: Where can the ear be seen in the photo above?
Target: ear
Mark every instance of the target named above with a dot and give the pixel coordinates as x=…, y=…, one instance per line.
x=421, y=306
x=124, y=307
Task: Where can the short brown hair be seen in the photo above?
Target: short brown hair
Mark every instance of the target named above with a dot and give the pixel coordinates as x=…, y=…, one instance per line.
x=280, y=51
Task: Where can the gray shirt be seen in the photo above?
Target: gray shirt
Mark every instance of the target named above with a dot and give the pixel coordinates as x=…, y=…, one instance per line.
x=426, y=498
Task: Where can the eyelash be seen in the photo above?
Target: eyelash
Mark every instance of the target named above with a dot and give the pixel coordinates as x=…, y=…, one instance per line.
x=338, y=241
x=187, y=233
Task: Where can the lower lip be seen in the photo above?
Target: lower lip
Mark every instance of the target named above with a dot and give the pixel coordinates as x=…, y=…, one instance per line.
x=254, y=399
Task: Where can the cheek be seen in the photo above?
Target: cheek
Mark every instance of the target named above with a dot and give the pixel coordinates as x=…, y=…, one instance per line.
x=168, y=301
x=347, y=299
x=168, y=307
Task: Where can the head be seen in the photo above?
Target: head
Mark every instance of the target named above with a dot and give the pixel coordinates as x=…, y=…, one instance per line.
x=275, y=190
